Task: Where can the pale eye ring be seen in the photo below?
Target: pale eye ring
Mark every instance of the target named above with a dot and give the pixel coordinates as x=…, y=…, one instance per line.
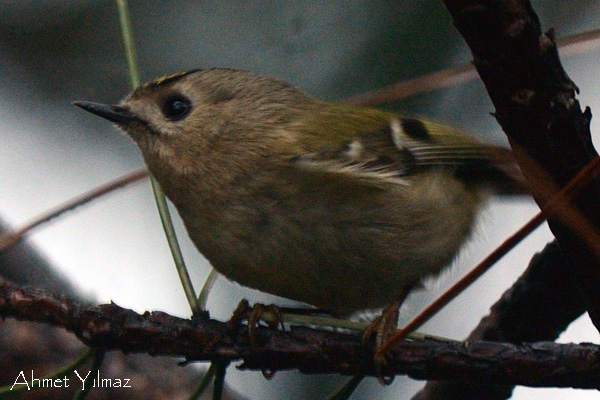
x=176, y=107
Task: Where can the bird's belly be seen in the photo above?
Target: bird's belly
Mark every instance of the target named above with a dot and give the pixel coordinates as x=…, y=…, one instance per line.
x=336, y=253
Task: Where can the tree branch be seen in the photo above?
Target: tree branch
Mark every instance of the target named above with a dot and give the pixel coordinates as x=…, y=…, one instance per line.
x=111, y=327
x=536, y=106
x=46, y=349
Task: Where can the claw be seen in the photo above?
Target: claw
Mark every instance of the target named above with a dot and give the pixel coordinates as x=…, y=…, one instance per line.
x=270, y=314
x=256, y=315
x=383, y=327
x=239, y=314
x=253, y=315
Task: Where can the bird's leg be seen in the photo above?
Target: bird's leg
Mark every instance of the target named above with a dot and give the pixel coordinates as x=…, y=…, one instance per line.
x=270, y=314
x=253, y=315
x=384, y=327
x=257, y=314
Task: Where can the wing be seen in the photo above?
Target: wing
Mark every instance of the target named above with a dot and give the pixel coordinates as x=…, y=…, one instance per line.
x=407, y=146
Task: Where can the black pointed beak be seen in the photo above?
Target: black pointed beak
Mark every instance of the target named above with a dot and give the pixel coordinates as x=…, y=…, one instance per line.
x=116, y=114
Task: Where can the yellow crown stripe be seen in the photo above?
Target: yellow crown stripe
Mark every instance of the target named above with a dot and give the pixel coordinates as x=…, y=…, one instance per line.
x=166, y=78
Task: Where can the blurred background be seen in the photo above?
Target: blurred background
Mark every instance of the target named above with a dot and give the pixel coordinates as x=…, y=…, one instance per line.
x=53, y=52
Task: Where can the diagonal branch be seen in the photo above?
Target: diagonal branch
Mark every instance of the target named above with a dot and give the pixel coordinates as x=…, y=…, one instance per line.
x=536, y=106
x=539, y=306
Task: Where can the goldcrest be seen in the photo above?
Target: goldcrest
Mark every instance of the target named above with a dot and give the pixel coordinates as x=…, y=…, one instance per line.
x=342, y=207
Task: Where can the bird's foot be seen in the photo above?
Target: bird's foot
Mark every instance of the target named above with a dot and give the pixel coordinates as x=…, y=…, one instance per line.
x=383, y=327
x=269, y=314
x=253, y=315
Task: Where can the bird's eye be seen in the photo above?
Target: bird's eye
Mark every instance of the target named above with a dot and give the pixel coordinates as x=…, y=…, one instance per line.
x=176, y=107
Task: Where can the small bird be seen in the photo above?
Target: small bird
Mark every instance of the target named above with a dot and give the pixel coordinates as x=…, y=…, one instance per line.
x=343, y=207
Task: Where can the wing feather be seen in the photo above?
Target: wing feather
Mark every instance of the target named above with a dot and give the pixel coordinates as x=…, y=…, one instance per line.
x=407, y=146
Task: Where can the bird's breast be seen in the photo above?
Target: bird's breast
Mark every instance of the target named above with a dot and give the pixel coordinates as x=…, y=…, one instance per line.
x=339, y=247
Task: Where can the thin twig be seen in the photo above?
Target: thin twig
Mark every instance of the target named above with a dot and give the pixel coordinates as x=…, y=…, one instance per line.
x=206, y=380
x=347, y=389
x=159, y=195
x=221, y=370
x=552, y=208
x=520, y=316
x=96, y=364
x=569, y=45
x=427, y=83
x=10, y=239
